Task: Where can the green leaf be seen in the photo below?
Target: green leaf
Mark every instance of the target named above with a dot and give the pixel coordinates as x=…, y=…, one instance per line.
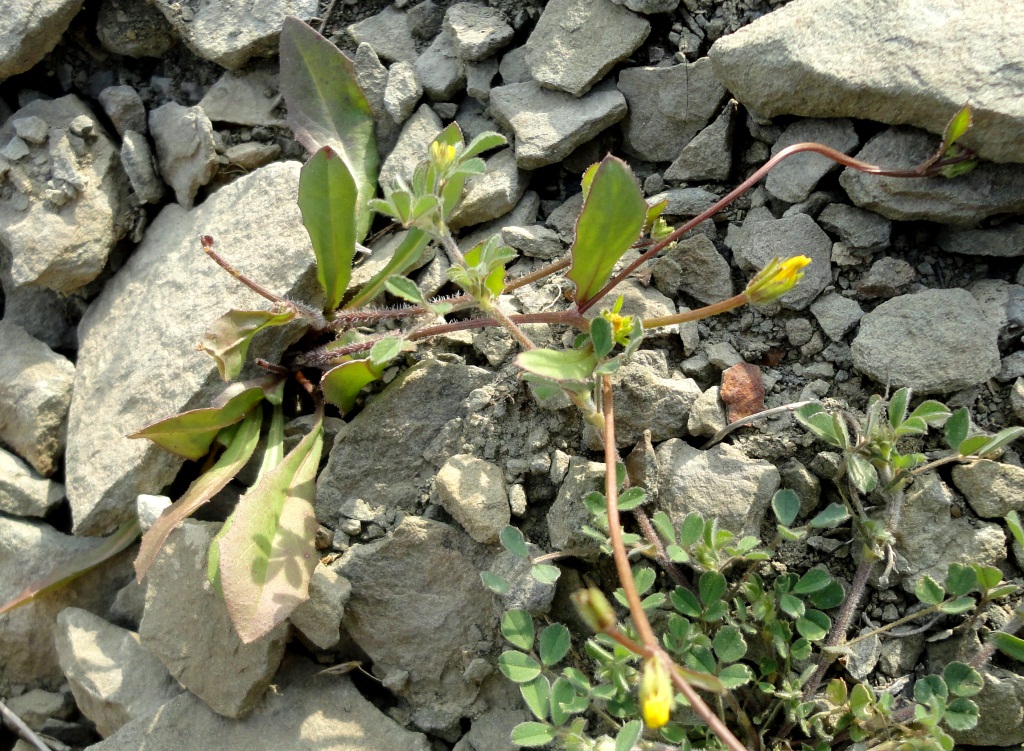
x=960, y=579
x=628, y=735
x=517, y=627
x=692, y=529
x=532, y=734
x=961, y=714
x=267, y=556
x=565, y=701
x=729, y=644
x=1016, y=528
x=814, y=625
x=190, y=434
x=554, y=644
x=786, y=505
x=929, y=591
x=601, y=335
x=988, y=576
x=342, y=384
x=518, y=667
x=536, y=694
x=957, y=126
x=959, y=605
x=734, y=676
x=898, y=407
x=814, y=417
x=685, y=602
x=632, y=498
x=558, y=364
x=1009, y=645
x=484, y=142
x=832, y=515
x=202, y=489
x=545, y=573
x=932, y=412
x=792, y=605
x=227, y=339
x=405, y=288
x=513, y=541
x=962, y=680
x=663, y=524
x=957, y=427
x=712, y=586
x=328, y=200
x=972, y=446
x=497, y=584
x=405, y=257
x=612, y=218
x=836, y=692
x=1000, y=439
x=385, y=350
x=812, y=581
x=929, y=687
x=326, y=107
x=862, y=473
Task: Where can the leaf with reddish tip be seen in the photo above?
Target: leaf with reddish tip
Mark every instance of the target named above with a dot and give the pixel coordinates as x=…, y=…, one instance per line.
x=199, y=492
x=341, y=385
x=227, y=340
x=326, y=107
x=110, y=546
x=267, y=555
x=190, y=434
x=328, y=197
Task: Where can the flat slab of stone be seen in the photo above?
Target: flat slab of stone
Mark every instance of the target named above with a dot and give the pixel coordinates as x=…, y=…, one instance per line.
x=913, y=63
x=29, y=30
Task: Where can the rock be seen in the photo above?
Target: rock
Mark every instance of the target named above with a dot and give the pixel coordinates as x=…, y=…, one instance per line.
x=35, y=391
x=668, y=107
x=388, y=33
x=251, y=156
x=649, y=6
x=864, y=655
x=69, y=203
x=986, y=190
x=473, y=492
x=248, y=97
x=441, y=72
x=647, y=399
x=311, y=711
x=1000, y=710
x=930, y=539
x=228, y=35
x=1005, y=241
x=576, y=42
x=535, y=241
x=403, y=91
x=525, y=591
x=228, y=675
x=836, y=315
x=113, y=677
x=439, y=615
x=548, y=125
x=22, y=491
x=492, y=730
x=319, y=617
x=742, y=391
x=1017, y=398
x=568, y=515
x=478, y=31
x=899, y=656
x=709, y=155
x=145, y=344
x=685, y=201
x=124, y=107
x=1002, y=302
x=36, y=707
x=44, y=314
x=721, y=483
x=185, y=148
x=28, y=31
x=887, y=277
x=372, y=77
x=934, y=341
x=723, y=355
x=29, y=550
x=513, y=67
x=492, y=194
x=133, y=29
x=694, y=266
x=140, y=166
x=375, y=461
x=148, y=509
x=992, y=488
x=864, y=230
x=479, y=77
x=786, y=63
x=784, y=238
x=411, y=149
x=795, y=178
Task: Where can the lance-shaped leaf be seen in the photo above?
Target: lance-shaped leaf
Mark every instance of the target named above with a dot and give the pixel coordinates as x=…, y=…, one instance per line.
x=110, y=546
x=341, y=385
x=407, y=253
x=191, y=433
x=201, y=490
x=326, y=107
x=267, y=555
x=612, y=218
x=328, y=200
x=559, y=364
x=227, y=340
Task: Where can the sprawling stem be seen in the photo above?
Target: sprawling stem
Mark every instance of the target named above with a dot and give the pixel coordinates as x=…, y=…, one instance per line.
x=21, y=728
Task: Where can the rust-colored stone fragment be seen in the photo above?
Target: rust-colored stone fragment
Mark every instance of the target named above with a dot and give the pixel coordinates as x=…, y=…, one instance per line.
x=742, y=391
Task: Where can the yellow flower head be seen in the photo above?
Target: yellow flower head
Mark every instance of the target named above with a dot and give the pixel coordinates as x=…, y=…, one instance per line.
x=442, y=154
x=655, y=693
x=776, y=279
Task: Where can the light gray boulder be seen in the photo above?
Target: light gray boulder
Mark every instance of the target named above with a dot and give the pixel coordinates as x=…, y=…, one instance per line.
x=836, y=315
x=411, y=149
x=993, y=489
x=249, y=97
x=141, y=167
x=478, y=31
x=1004, y=241
x=568, y=514
x=185, y=150
x=124, y=107
x=319, y=618
x=795, y=178
x=709, y=155
x=492, y=194
x=535, y=241
x=388, y=32
x=694, y=266
x=133, y=29
x=685, y=201
x=403, y=91
x=23, y=492
x=440, y=70
x=372, y=77
x=864, y=230
x=28, y=31
x=473, y=492
x=707, y=415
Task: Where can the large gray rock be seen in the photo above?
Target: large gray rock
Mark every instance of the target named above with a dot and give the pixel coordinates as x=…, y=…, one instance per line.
x=35, y=392
x=478, y=31
x=795, y=178
x=23, y=492
x=113, y=677
x=310, y=711
x=403, y=91
x=133, y=29
x=139, y=336
x=441, y=71
x=934, y=341
x=372, y=77
x=965, y=200
x=576, y=42
x=473, y=492
x=319, y=617
x=548, y=125
x=1005, y=241
x=380, y=459
x=709, y=155
x=388, y=32
x=992, y=488
x=29, y=30
x=187, y=626
x=694, y=266
x=568, y=514
x=29, y=550
x=185, y=150
x=248, y=97
x=439, y=616
x=722, y=483
x=124, y=107
x=68, y=206
x=788, y=62
x=232, y=32
x=492, y=194
x=857, y=228
x=836, y=315
x=667, y=107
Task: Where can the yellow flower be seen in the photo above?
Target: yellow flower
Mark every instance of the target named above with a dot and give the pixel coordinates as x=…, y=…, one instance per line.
x=442, y=154
x=776, y=279
x=655, y=693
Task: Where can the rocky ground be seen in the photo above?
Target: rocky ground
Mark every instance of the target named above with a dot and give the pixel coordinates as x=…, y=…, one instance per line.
x=131, y=128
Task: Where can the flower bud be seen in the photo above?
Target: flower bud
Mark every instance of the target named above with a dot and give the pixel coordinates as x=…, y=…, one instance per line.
x=655, y=693
x=594, y=609
x=776, y=279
